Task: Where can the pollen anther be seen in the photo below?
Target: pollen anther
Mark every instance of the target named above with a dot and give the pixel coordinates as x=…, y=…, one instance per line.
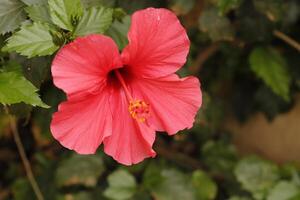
x=139, y=110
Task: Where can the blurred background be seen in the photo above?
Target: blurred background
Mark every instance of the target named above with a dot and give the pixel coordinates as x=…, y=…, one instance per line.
x=245, y=143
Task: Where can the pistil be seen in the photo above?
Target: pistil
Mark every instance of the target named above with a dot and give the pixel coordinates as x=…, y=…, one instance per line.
x=138, y=109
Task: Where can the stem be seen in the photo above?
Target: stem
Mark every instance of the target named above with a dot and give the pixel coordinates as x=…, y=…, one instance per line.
x=26, y=163
x=287, y=39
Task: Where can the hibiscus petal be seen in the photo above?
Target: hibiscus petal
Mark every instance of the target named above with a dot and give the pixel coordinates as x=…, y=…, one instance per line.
x=82, y=125
x=174, y=102
x=82, y=65
x=131, y=141
x=158, y=44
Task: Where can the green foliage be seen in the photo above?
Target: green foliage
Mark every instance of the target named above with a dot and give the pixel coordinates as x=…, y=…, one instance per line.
x=118, y=32
x=243, y=68
x=39, y=13
x=174, y=186
x=122, y=185
x=79, y=169
x=271, y=67
x=11, y=15
x=216, y=26
x=14, y=88
x=284, y=191
x=94, y=20
x=65, y=13
x=32, y=40
x=227, y=5
x=206, y=188
x=256, y=175
x=34, y=2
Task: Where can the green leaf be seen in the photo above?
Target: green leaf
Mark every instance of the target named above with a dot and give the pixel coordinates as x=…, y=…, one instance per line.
x=80, y=170
x=217, y=27
x=32, y=40
x=284, y=191
x=94, y=20
x=118, y=31
x=11, y=15
x=95, y=3
x=14, y=88
x=256, y=175
x=206, y=188
x=227, y=5
x=271, y=67
x=34, y=2
x=174, y=186
x=39, y=13
x=65, y=13
x=122, y=186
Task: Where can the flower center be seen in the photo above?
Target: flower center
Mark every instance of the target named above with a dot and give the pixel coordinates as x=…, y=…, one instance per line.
x=138, y=109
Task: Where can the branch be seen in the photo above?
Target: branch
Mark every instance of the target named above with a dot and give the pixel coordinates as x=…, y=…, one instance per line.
x=29, y=173
x=293, y=43
x=203, y=56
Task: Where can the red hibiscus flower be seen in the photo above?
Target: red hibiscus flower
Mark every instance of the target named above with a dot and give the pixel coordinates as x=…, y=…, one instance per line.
x=121, y=100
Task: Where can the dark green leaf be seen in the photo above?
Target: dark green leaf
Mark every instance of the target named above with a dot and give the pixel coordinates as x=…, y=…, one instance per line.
x=14, y=88
x=80, y=170
x=118, y=31
x=206, y=188
x=94, y=20
x=39, y=13
x=65, y=13
x=227, y=5
x=11, y=15
x=271, y=67
x=32, y=40
x=273, y=9
x=216, y=26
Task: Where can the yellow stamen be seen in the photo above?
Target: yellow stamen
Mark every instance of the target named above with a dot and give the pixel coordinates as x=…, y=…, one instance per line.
x=138, y=110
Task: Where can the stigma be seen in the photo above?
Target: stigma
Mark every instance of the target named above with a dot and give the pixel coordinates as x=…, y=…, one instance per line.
x=139, y=110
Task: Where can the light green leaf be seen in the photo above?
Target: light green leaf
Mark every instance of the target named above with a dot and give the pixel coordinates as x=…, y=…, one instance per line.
x=94, y=20
x=32, y=40
x=65, y=13
x=34, y=2
x=80, y=169
x=11, y=15
x=174, y=186
x=14, y=88
x=271, y=67
x=217, y=27
x=118, y=31
x=206, y=188
x=39, y=13
x=256, y=175
x=122, y=186
x=284, y=191
x=95, y=3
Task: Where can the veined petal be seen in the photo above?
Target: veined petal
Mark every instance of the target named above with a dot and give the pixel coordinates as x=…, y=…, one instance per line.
x=174, y=101
x=82, y=65
x=158, y=44
x=82, y=124
x=131, y=141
